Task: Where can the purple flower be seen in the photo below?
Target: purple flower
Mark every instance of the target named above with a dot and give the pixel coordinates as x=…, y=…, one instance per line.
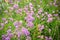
x=29, y=18
x=25, y=31
x=31, y=6
x=41, y=27
x=30, y=24
x=2, y=24
x=4, y=19
x=10, y=1
x=18, y=33
x=17, y=23
x=7, y=38
x=48, y=38
x=26, y=8
x=9, y=31
x=15, y=6
x=55, y=14
x=3, y=37
x=10, y=35
x=19, y=11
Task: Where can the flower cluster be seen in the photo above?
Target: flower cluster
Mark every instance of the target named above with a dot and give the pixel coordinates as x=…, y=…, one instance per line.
x=49, y=18
x=29, y=18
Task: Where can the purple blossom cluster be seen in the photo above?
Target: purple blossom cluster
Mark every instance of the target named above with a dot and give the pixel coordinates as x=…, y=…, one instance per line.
x=25, y=31
x=17, y=24
x=20, y=30
x=49, y=18
x=29, y=18
x=7, y=36
x=2, y=24
x=48, y=38
x=30, y=14
x=40, y=27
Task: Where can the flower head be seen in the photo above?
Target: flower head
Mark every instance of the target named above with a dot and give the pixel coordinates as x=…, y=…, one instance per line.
x=49, y=19
x=17, y=23
x=7, y=38
x=25, y=31
x=30, y=24
x=15, y=6
x=40, y=27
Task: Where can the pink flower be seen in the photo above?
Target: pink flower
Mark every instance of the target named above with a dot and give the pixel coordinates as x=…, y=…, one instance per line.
x=11, y=19
x=18, y=34
x=31, y=6
x=46, y=38
x=26, y=8
x=29, y=13
x=11, y=8
x=49, y=19
x=2, y=24
x=19, y=11
x=43, y=14
x=4, y=19
x=6, y=22
x=32, y=12
x=37, y=16
x=40, y=10
x=15, y=6
x=49, y=15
